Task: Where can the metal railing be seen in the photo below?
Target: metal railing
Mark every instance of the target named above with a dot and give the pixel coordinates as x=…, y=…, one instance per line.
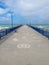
x=7, y=31
x=44, y=32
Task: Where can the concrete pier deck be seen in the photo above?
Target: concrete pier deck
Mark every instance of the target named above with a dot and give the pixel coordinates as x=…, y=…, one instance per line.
x=24, y=47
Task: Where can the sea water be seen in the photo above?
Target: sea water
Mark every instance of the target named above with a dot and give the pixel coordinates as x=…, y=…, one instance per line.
x=6, y=26
x=45, y=26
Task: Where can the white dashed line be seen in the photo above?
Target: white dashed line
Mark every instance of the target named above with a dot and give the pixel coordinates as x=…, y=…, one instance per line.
x=15, y=39
x=23, y=46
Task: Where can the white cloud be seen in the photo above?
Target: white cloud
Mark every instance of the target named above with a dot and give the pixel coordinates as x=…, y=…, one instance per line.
x=26, y=5
x=30, y=8
x=3, y=11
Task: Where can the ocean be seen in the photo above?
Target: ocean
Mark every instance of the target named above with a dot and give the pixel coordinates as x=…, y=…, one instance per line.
x=46, y=26
x=6, y=26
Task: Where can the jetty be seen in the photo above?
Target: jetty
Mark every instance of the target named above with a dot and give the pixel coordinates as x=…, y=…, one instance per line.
x=24, y=46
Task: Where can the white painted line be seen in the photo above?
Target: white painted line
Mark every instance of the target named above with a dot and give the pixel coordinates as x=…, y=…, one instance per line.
x=15, y=39
x=23, y=46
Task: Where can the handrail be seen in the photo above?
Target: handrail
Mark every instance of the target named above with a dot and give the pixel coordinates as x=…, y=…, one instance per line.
x=7, y=31
x=44, y=32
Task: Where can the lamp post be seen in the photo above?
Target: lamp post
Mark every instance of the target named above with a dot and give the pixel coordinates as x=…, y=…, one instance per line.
x=11, y=18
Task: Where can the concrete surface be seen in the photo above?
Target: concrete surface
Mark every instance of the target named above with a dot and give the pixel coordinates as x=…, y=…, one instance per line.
x=24, y=47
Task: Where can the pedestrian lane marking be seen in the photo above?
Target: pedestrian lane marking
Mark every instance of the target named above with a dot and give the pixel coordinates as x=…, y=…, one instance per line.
x=15, y=39
x=23, y=46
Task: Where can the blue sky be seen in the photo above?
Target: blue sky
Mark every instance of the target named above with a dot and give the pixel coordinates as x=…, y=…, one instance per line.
x=26, y=11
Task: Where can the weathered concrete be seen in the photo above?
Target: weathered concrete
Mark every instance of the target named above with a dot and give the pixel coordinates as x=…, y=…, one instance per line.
x=25, y=47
